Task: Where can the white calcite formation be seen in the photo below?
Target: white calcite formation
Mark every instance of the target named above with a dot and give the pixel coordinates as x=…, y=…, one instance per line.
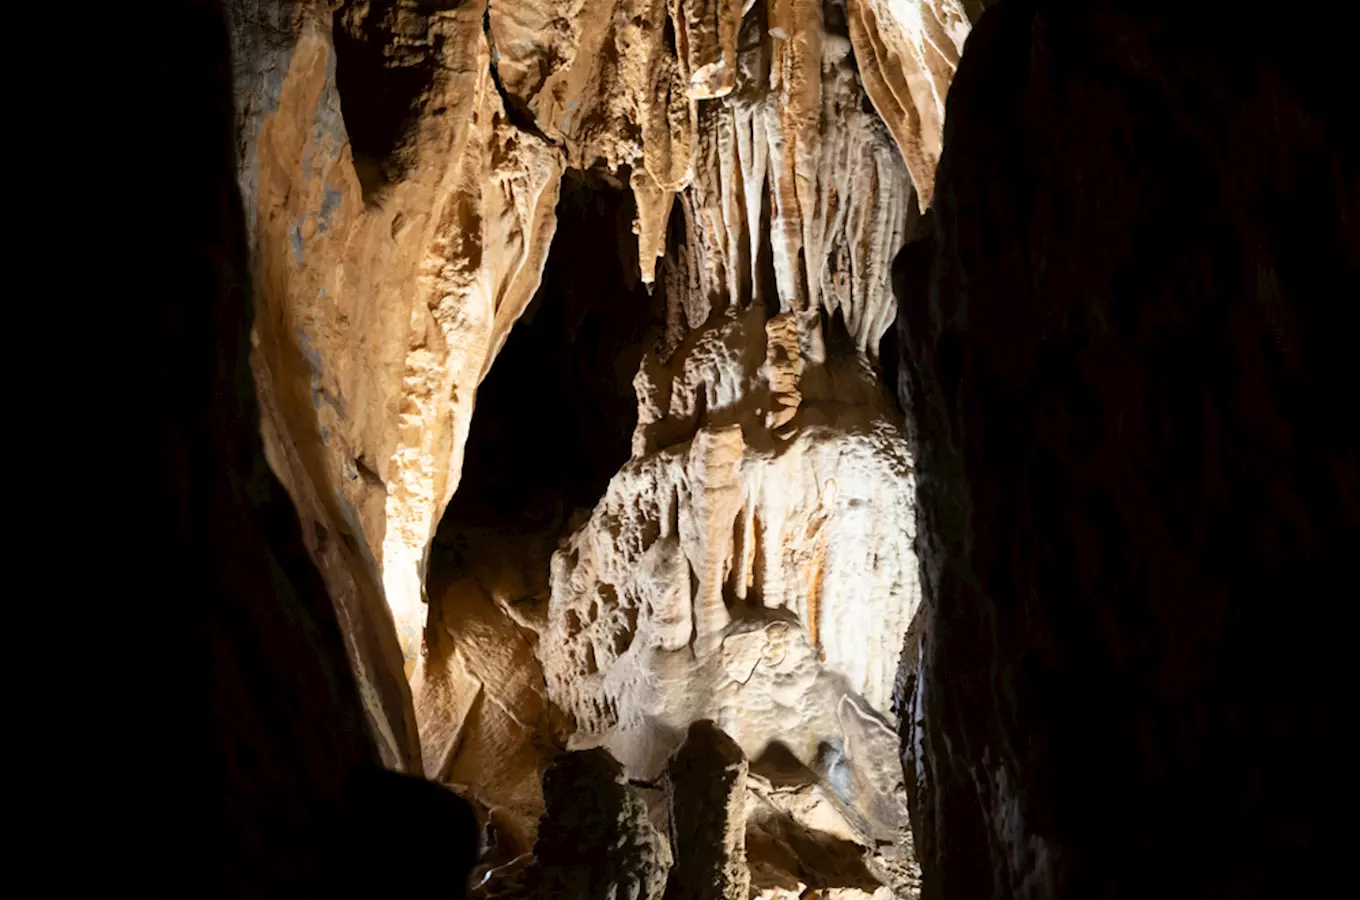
x=760, y=578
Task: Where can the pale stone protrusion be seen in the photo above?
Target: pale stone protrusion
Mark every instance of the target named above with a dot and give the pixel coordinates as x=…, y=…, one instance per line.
x=707, y=29
x=783, y=369
x=717, y=497
x=653, y=215
x=908, y=51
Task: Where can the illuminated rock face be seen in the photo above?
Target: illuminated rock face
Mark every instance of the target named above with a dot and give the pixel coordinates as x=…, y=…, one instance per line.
x=747, y=556
x=269, y=781
x=377, y=163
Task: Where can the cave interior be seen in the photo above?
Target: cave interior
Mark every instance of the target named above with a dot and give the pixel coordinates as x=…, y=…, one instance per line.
x=1120, y=361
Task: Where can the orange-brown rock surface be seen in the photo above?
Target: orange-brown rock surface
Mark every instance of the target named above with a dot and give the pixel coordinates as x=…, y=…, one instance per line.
x=401, y=164
x=907, y=52
x=379, y=309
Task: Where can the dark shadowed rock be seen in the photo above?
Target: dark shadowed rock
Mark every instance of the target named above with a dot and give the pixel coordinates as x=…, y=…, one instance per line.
x=1129, y=363
x=595, y=839
x=706, y=791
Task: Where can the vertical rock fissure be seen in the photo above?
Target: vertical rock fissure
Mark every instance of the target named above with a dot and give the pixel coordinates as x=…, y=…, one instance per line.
x=553, y=423
x=515, y=109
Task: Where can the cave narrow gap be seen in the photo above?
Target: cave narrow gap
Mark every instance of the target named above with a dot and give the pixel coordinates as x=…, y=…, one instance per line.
x=672, y=273
x=911, y=293
x=555, y=415
x=889, y=366
x=766, y=287
x=378, y=99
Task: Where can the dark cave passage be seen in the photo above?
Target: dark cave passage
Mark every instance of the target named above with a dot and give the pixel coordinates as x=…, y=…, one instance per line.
x=555, y=416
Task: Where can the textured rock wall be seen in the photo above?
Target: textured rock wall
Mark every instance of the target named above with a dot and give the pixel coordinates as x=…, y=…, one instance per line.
x=379, y=162
x=1125, y=353
x=1128, y=360
x=401, y=163
x=269, y=782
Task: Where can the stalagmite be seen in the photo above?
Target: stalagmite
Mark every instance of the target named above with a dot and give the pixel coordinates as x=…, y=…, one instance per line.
x=706, y=795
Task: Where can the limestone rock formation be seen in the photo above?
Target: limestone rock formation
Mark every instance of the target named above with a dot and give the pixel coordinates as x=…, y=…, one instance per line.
x=383, y=150
x=269, y=784
x=379, y=311
x=706, y=795
x=404, y=166
x=597, y=839
x=1130, y=365
x=733, y=569
x=907, y=52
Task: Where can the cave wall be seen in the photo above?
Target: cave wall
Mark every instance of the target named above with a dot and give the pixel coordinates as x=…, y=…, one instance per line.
x=751, y=560
x=1126, y=355
x=378, y=308
x=1129, y=470
x=269, y=782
